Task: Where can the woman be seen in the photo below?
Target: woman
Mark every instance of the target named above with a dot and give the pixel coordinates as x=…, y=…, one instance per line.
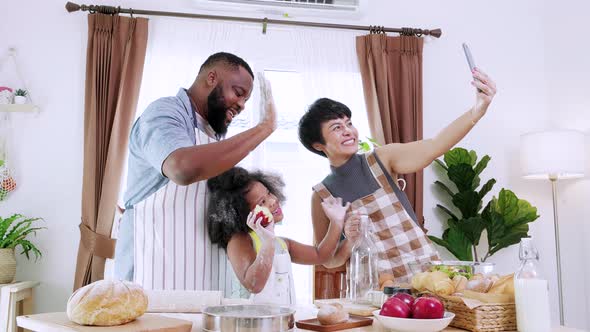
x=368, y=181
x=262, y=261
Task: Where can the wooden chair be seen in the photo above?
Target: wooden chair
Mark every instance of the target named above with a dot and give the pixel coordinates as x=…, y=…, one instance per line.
x=329, y=283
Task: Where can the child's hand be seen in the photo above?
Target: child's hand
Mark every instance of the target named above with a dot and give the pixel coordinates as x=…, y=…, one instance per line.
x=264, y=233
x=334, y=210
x=352, y=226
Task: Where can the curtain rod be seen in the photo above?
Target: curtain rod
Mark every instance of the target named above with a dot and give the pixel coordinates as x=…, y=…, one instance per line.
x=73, y=7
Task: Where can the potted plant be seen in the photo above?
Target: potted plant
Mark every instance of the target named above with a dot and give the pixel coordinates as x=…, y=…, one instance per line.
x=14, y=231
x=20, y=96
x=505, y=219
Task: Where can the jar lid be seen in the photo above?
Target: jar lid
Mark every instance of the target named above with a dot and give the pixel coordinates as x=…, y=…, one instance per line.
x=389, y=290
x=395, y=290
x=402, y=290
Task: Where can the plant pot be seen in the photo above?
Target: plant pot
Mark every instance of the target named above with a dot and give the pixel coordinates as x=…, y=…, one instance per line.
x=20, y=100
x=7, y=266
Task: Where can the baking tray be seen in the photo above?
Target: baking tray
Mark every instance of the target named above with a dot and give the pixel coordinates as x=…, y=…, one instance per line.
x=248, y=318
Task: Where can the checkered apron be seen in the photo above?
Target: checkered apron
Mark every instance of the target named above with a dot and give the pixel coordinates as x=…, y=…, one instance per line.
x=399, y=240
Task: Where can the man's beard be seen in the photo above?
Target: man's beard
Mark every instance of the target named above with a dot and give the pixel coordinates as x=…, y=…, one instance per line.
x=216, y=111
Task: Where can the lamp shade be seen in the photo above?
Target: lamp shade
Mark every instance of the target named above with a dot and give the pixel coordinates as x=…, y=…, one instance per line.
x=553, y=153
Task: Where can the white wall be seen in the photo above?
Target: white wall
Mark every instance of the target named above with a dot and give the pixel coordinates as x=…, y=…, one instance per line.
x=506, y=38
x=568, y=68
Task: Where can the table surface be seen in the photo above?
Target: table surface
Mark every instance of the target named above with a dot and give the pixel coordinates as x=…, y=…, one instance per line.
x=54, y=322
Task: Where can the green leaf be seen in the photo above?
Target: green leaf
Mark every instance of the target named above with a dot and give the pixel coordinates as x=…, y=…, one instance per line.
x=462, y=176
x=482, y=164
x=364, y=146
x=506, y=220
x=1, y=163
x=451, y=214
x=467, y=202
x=472, y=228
x=373, y=141
x=441, y=164
x=6, y=223
x=475, y=182
x=507, y=204
x=457, y=156
x=445, y=188
x=456, y=243
x=486, y=188
x=473, y=156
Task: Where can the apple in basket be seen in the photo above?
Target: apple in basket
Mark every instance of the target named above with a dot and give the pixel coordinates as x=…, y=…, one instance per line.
x=428, y=307
x=264, y=213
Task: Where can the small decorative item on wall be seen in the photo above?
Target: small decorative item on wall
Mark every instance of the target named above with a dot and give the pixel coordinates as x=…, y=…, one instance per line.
x=5, y=95
x=20, y=96
x=7, y=182
x=14, y=100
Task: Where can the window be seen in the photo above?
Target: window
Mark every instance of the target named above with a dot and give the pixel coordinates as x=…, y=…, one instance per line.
x=282, y=153
x=306, y=64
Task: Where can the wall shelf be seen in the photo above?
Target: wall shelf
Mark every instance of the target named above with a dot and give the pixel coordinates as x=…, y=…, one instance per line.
x=30, y=107
x=23, y=108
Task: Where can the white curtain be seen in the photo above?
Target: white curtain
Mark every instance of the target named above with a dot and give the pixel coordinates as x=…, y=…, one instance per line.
x=303, y=64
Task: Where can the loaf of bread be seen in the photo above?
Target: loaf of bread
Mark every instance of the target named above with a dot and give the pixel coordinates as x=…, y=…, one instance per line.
x=107, y=303
x=444, y=287
x=460, y=282
x=479, y=285
x=504, y=285
x=330, y=314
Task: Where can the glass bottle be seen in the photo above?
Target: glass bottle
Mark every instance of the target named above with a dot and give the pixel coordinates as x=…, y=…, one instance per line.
x=531, y=292
x=364, y=278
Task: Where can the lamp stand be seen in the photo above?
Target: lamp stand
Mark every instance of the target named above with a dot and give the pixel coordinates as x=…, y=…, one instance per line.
x=553, y=179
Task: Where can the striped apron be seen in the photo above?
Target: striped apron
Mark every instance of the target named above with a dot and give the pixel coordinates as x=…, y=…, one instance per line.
x=399, y=240
x=171, y=240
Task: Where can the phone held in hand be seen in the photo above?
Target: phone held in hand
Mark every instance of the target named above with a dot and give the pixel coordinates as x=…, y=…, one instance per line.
x=470, y=60
x=469, y=57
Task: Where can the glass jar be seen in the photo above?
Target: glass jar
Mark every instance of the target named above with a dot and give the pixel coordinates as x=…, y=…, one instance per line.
x=364, y=278
x=531, y=292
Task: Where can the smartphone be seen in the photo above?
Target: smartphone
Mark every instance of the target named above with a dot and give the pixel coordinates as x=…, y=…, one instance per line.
x=470, y=60
x=469, y=57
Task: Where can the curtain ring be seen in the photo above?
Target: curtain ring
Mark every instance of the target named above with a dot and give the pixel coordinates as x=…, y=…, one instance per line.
x=130, y=9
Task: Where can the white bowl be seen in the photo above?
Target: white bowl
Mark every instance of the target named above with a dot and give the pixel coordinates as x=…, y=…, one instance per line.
x=414, y=325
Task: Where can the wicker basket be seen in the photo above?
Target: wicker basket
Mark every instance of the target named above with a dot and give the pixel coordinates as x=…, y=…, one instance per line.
x=7, y=266
x=488, y=317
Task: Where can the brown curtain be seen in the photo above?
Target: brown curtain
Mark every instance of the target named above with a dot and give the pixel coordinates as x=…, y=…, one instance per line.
x=114, y=67
x=391, y=70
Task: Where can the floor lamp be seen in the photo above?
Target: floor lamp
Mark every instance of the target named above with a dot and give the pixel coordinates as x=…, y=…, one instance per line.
x=554, y=155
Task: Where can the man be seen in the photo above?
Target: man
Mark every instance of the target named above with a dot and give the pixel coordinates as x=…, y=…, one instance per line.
x=174, y=147
x=368, y=181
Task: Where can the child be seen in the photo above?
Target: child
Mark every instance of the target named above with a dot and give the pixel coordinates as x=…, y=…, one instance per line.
x=262, y=261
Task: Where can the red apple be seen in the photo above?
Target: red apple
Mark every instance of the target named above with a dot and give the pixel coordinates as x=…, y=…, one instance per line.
x=428, y=307
x=407, y=298
x=264, y=213
x=395, y=307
